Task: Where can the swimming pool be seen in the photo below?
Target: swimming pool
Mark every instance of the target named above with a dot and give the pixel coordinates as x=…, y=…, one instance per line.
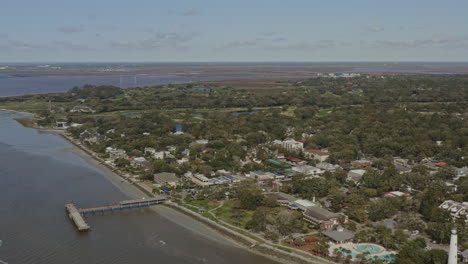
x=371, y=249
x=389, y=257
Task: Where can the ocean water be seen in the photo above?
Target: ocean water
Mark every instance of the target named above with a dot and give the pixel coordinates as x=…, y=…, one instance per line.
x=37, y=178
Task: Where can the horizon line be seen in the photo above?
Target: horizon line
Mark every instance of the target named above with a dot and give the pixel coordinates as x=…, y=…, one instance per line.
x=178, y=62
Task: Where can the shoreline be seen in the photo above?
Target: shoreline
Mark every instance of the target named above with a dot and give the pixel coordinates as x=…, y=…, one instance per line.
x=222, y=233
x=178, y=214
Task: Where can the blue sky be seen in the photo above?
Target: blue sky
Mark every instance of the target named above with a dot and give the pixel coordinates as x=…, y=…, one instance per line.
x=241, y=30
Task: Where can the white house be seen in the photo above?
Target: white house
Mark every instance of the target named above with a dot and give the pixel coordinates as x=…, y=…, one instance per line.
x=320, y=155
x=290, y=144
x=308, y=170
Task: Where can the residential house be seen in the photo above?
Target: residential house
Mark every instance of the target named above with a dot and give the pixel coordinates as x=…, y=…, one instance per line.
x=166, y=178
x=199, y=142
x=320, y=155
x=402, y=169
x=295, y=160
x=397, y=194
x=328, y=166
x=361, y=163
x=140, y=162
x=116, y=153
x=307, y=170
x=261, y=175
x=81, y=109
x=461, y=172
x=355, y=175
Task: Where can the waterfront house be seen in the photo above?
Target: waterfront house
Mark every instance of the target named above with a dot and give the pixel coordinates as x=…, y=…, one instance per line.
x=116, y=153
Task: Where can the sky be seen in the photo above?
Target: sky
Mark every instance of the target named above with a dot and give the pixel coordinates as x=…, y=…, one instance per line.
x=240, y=30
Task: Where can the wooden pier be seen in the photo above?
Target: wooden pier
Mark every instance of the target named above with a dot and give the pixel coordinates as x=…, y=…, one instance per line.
x=76, y=217
x=77, y=214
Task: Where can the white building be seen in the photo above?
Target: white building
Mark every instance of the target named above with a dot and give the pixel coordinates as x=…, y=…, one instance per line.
x=456, y=209
x=308, y=170
x=199, y=179
x=320, y=155
x=290, y=144
x=328, y=166
x=116, y=153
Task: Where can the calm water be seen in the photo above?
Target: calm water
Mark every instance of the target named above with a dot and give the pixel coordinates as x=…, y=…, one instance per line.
x=37, y=178
x=12, y=86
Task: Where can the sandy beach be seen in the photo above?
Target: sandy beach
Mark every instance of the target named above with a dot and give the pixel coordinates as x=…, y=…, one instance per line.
x=135, y=193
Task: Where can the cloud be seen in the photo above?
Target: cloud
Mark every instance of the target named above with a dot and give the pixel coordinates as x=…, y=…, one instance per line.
x=106, y=27
x=238, y=44
x=281, y=44
x=435, y=41
x=159, y=40
x=20, y=45
x=188, y=12
x=71, y=29
x=374, y=28
x=3, y=35
x=24, y=46
x=313, y=45
x=66, y=45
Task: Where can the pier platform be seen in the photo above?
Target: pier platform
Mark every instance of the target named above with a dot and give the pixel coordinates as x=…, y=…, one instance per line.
x=76, y=217
x=77, y=214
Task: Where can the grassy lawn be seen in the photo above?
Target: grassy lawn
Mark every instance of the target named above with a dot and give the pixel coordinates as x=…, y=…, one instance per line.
x=26, y=106
x=203, y=204
x=232, y=215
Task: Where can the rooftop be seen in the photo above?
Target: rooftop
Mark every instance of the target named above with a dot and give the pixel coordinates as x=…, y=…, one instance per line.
x=320, y=213
x=339, y=235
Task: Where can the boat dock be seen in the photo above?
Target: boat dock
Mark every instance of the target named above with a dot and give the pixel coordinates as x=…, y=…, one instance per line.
x=77, y=214
x=76, y=217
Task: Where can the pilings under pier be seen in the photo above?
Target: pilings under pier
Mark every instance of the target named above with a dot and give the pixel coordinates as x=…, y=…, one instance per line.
x=76, y=217
x=77, y=214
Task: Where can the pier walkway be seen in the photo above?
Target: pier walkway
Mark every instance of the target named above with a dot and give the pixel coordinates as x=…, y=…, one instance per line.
x=77, y=214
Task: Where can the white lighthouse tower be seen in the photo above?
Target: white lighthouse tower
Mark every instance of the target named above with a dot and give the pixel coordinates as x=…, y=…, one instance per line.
x=452, y=258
